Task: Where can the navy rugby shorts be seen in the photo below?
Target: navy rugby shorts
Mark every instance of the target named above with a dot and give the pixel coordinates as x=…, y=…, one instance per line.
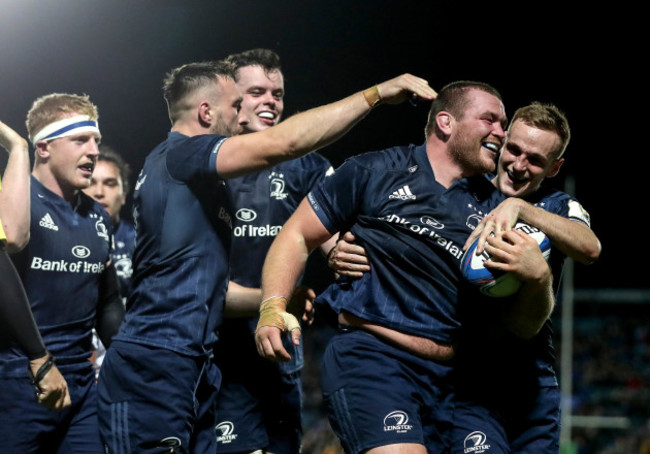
x=377, y=394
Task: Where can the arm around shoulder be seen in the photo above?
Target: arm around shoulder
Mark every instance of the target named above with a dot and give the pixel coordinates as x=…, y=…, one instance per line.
x=572, y=237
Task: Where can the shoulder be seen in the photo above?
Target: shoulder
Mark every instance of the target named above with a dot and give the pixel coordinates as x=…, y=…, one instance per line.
x=390, y=159
x=309, y=162
x=559, y=202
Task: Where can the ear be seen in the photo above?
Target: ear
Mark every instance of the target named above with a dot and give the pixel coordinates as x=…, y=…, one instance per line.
x=445, y=122
x=42, y=149
x=205, y=113
x=556, y=168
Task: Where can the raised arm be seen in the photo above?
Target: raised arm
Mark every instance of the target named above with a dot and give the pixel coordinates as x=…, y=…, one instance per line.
x=574, y=239
x=284, y=264
x=14, y=195
x=314, y=128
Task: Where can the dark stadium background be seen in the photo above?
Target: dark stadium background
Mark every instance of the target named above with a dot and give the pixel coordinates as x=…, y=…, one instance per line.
x=584, y=61
x=118, y=51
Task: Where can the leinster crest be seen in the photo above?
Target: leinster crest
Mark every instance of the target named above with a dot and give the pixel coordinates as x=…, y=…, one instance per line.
x=277, y=186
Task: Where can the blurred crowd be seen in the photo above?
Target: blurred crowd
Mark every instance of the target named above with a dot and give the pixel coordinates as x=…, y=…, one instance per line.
x=611, y=378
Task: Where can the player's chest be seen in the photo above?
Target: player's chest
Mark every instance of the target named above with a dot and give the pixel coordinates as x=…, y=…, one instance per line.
x=66, y=233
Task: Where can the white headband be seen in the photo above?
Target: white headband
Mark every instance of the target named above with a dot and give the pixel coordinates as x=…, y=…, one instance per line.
x=67, y=127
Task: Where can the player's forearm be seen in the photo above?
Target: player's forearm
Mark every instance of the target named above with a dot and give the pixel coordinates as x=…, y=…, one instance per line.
x=314, y=128
x=284, y=264
x=574, y=239
x=242, y=301
x=292, y=138
x=14, y=197
x=15, y=313
x=531, y=307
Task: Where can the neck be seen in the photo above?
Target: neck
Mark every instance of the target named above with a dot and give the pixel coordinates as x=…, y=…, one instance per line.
x=445, y=169
x=47, y=179
x=189, y=129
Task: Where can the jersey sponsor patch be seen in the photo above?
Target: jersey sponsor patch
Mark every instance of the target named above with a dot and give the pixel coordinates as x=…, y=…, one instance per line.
x=66, y=266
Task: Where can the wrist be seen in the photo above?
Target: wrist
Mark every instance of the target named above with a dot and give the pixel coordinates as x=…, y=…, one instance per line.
x=40, y=367
x=273, y=303
x=372, y=96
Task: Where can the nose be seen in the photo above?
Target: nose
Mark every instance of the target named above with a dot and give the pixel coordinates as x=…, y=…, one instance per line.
x=520, y=164
x=242, y=118
x=268, y=99
x=93, y=147
x=95, y=190
x=498, y=130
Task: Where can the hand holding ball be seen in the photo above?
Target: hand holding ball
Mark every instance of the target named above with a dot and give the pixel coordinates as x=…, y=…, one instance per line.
x=495, y=283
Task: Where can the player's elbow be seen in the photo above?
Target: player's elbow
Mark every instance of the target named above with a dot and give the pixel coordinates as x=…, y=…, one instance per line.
x=16, y=242
x=590, y=252
x=594, y=252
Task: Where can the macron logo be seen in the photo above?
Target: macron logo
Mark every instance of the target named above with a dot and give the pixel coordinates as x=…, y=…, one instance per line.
x=47, y=222
x=403, y=193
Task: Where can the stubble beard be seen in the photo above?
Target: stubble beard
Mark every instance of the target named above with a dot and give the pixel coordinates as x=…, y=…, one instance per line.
x=467, y=153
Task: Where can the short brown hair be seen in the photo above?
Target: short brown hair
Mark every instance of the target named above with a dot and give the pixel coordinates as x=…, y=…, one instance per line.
x=453, y=98
x=548, y=118
x=184, y=80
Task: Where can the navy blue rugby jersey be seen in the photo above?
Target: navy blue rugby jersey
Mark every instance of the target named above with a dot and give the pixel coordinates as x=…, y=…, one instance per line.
x=520, y=362
x=60, y=269
x=263, y=202
x=122, y=255
x=413, y=230
x=183, y=227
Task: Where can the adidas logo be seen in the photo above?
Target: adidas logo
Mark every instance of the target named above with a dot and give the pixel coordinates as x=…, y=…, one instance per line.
x=403, y=193
x=47, y=222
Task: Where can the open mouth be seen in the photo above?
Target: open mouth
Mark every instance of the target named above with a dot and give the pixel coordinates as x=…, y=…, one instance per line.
x=267, y=117
x=493, y=147
x=87, y=168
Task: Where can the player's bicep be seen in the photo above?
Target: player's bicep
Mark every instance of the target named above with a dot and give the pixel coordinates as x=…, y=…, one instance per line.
x=306, y=226
x=246, y=153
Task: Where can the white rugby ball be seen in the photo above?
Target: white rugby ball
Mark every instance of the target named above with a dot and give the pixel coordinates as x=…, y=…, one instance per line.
x=496, y=283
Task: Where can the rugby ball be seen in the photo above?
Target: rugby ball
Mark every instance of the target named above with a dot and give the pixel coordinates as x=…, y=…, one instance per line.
x=496, y=283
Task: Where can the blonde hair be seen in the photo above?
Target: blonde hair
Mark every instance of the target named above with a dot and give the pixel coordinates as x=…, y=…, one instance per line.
x=55, y=106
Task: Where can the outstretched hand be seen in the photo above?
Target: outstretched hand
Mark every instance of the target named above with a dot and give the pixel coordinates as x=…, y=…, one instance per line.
x=405, y=87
